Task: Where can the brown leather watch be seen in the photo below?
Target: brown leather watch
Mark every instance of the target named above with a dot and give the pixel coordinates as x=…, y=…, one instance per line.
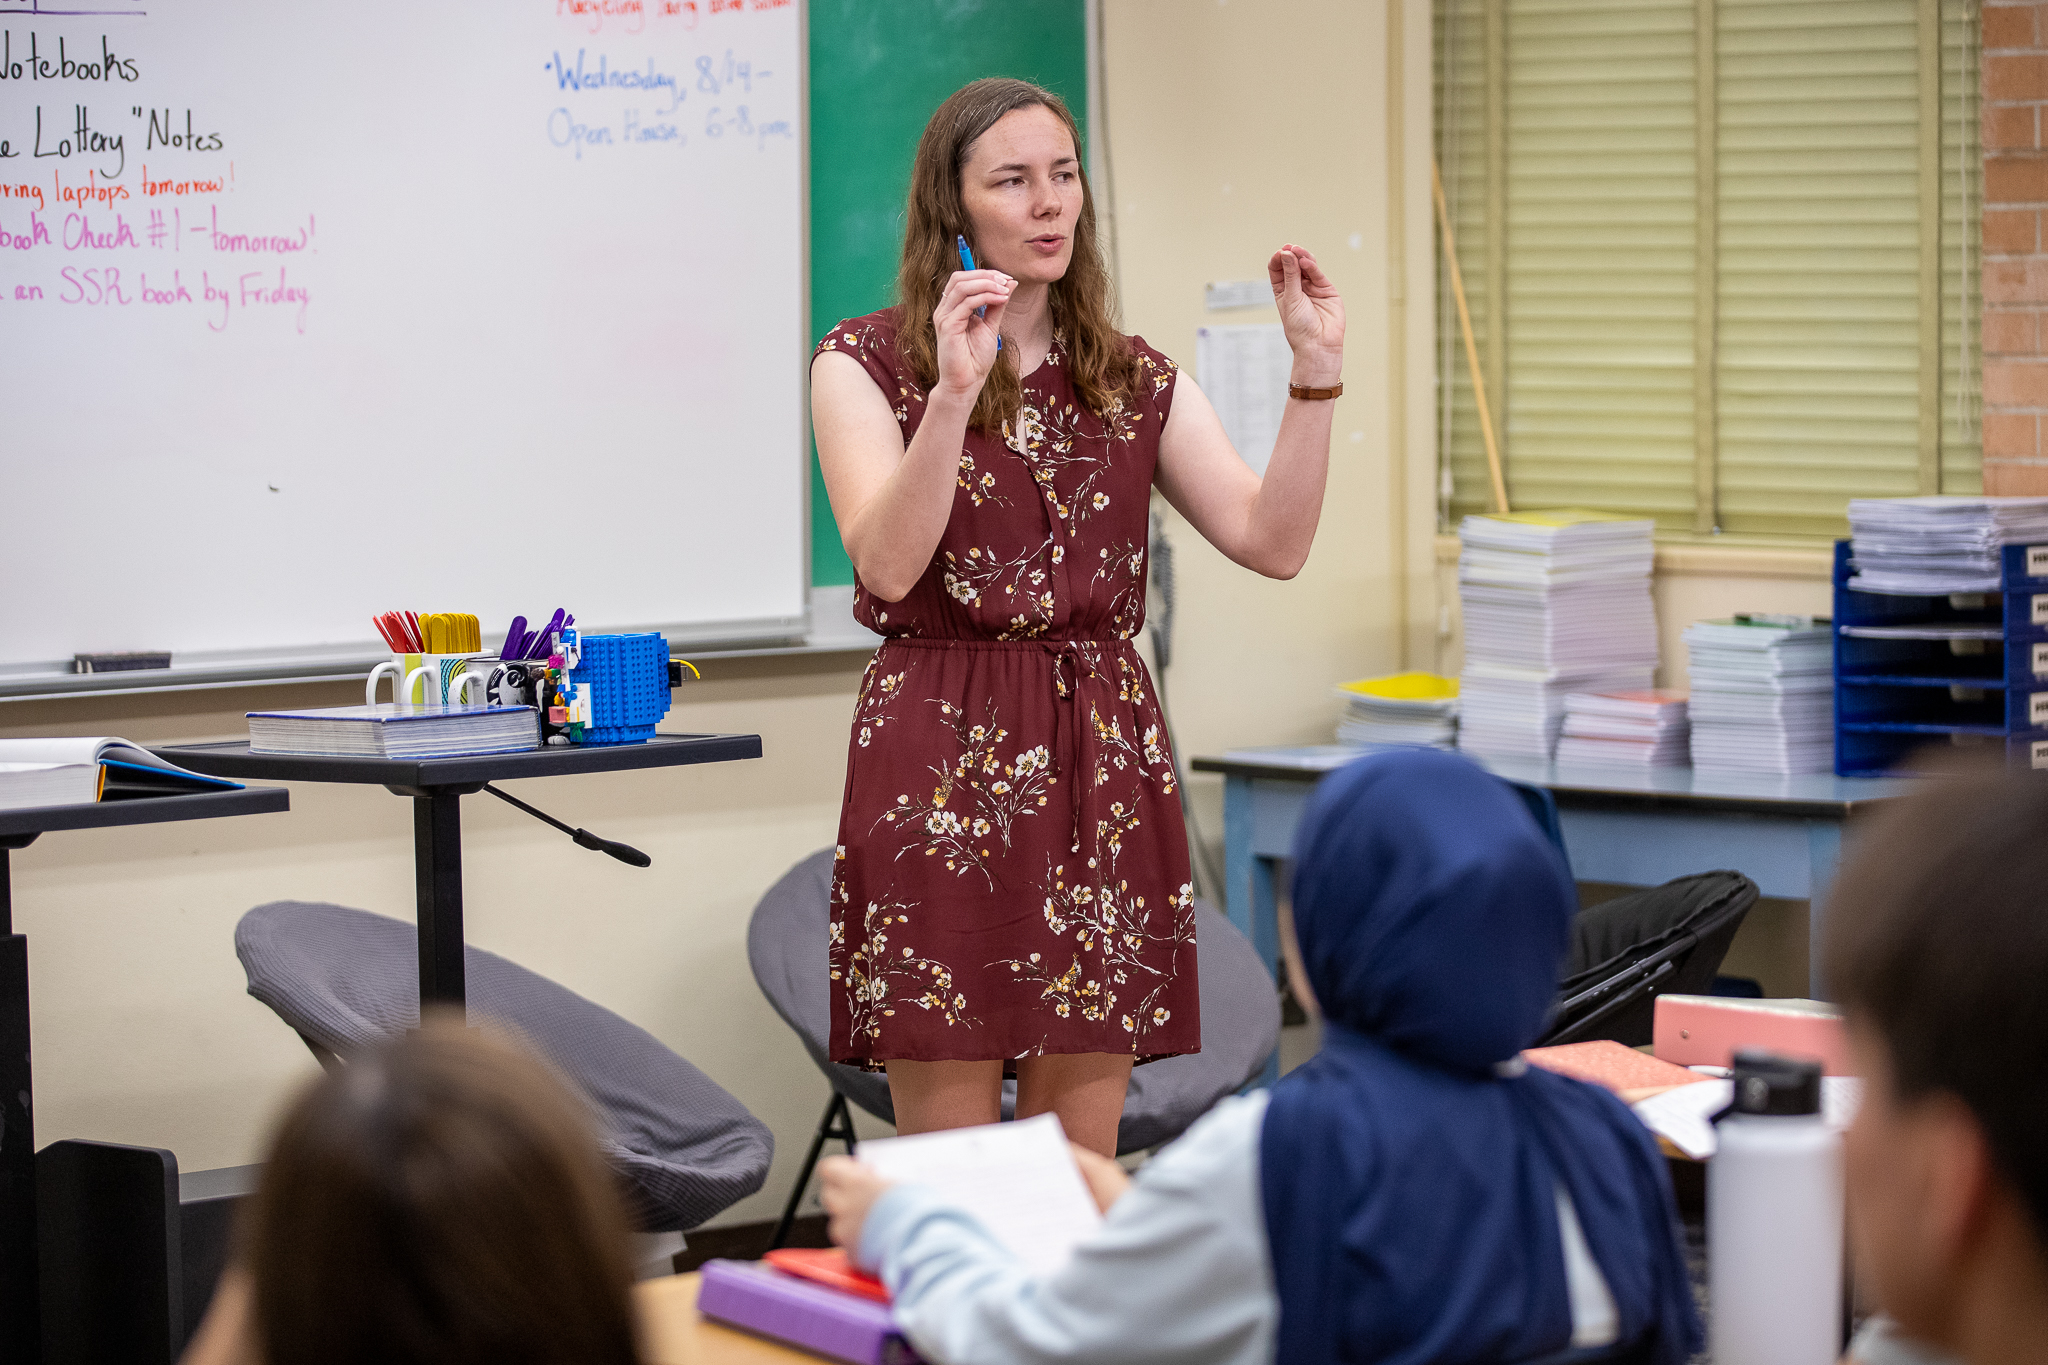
x=1303, y=391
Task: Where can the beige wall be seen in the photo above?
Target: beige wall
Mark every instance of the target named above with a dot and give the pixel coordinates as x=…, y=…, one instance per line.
x=1229, y=136
x=1233, y=127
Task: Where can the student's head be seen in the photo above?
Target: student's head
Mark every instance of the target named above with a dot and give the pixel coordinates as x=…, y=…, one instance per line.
x=439, y=1201
x=1938, y=952
x=1431, y=911
x=1000, y=164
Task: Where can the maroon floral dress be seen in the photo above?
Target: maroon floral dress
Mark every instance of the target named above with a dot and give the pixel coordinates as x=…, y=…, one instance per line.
x=1012, y=875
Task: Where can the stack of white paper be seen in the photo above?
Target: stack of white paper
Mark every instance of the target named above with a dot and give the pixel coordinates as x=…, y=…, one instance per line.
x=1554, y=603
x=1402, y=710
x=1628, y=729
x=1763, y=695
x=1937, y=545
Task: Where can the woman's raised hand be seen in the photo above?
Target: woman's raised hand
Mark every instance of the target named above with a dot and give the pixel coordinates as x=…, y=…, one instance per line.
x=1311, y=314
x=967, y=344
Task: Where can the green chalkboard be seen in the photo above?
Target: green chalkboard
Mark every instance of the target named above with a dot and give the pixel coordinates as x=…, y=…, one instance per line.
x=878, y=70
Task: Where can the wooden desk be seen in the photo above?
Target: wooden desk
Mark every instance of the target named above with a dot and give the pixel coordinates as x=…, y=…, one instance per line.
x=673, y=1333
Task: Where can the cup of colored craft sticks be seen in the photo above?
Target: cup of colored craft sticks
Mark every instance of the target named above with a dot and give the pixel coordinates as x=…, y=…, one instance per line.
x=429, y=655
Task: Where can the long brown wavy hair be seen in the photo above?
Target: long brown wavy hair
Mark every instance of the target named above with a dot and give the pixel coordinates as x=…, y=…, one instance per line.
x=1100, y=361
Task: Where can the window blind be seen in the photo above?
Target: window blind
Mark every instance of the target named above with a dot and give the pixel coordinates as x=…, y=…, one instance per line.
x=1464, y=164
x=1819, y=364
x=1600, y=253
x=1704, y=280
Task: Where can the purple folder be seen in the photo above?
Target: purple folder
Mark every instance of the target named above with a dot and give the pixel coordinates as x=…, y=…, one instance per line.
x=759, y=1298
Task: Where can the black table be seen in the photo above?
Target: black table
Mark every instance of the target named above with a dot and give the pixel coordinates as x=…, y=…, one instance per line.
x=20, y=1309
x=437, y=786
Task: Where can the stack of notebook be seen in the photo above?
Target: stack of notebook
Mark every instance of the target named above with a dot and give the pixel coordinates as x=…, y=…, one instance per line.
x=1937, y=545
x=1646, y=729
x=1404, y=709
x=1763, y=695
x=1554, y=603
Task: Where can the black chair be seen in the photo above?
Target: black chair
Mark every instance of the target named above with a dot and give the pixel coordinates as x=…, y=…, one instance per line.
x=787, y=946
x=344, y=979
x=1628, y=951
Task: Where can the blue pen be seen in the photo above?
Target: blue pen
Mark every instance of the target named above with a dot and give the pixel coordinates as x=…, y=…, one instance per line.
x=967, y=263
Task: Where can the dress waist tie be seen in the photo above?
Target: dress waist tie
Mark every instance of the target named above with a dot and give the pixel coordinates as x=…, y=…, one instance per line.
x=1076, y=683
x=1072, y=672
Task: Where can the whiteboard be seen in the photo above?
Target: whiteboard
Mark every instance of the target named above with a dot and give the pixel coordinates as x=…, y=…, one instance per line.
x=312, y=311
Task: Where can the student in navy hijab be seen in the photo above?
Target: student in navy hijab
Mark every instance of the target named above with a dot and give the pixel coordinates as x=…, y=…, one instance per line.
x=1415, y=1164
x=1413, y=1194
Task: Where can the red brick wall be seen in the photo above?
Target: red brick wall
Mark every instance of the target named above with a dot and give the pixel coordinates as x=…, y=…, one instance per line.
x=2015, y=131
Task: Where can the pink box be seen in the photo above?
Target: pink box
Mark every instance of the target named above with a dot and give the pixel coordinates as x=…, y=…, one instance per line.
x=1705, y=1030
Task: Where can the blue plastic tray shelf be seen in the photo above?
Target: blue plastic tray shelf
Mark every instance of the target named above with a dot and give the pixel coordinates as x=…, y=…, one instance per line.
x=1894, y=696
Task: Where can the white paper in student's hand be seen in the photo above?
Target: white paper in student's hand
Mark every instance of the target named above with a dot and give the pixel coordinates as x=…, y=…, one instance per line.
x=1018, y=1179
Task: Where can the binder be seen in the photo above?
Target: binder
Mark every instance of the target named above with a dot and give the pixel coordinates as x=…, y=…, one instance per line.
x=760, y=1299
x=1705, y=1030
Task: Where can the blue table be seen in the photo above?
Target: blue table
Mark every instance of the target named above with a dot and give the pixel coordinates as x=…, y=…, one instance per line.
x=1635, y=828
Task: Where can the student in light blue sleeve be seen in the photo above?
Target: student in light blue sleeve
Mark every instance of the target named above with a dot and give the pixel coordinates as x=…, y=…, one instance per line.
x=1415, y=1193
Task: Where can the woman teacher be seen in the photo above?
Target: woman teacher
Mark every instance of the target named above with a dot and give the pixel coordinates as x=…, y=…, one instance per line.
x=1012, y=887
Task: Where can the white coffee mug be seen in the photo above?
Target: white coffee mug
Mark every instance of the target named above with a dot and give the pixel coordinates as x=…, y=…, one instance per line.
x=459, y=694
x=396, y=666
x=513, y=683
x=438, y=676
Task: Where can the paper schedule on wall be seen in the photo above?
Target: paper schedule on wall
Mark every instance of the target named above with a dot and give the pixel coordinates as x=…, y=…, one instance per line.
x=1244, y=370
x=463, y=302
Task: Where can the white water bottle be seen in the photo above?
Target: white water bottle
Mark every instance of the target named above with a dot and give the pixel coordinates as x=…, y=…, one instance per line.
x=1774, y=1220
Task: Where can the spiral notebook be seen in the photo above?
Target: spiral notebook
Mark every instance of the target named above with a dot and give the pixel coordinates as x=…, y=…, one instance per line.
x=68, y=771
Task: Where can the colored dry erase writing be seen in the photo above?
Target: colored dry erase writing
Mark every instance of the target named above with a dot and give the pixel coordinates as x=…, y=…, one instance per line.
x=967, y=263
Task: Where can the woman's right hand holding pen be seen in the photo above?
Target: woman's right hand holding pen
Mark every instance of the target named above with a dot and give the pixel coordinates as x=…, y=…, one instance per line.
x=893, y=501
x=966, y=343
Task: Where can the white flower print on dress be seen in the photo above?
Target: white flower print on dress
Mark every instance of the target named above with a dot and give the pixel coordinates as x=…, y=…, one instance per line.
x=1016, y=585
x=880, y=978
x=978, y=798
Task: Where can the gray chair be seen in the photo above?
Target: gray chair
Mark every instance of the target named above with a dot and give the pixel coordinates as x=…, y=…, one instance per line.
x=786, y=943
x=684, y=1148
